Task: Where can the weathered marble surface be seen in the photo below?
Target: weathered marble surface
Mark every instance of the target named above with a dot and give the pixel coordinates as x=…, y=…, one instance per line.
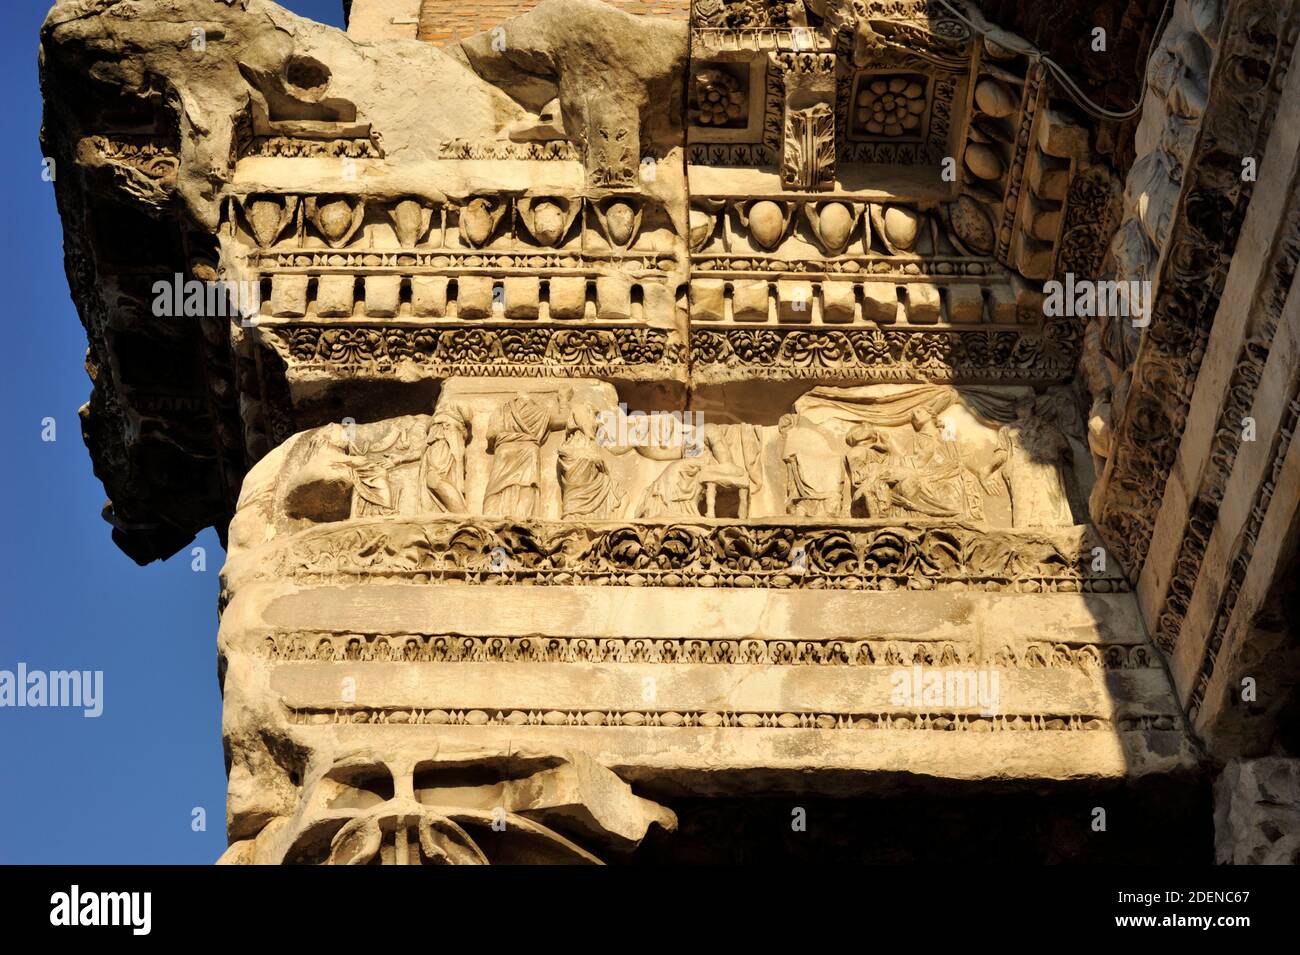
x=479, y=607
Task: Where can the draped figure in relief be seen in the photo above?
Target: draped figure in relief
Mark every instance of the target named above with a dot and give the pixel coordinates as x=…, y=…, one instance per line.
x=444, y=459
x=587, y=489
x=515, y=439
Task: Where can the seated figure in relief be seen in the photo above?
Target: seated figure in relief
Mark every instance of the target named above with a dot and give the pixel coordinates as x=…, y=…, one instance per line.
x=727, y=458
x=674, y=493
x=931, y=479
x=587, y=489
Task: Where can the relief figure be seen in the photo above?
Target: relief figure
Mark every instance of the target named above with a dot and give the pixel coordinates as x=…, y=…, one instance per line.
x=931, y=479
x=444, y=459
x=675, y=493
x=515, y=439
x=866, y=462
x=814, y=465
x=1038, y=452
x=374, y=463
x=587, y=489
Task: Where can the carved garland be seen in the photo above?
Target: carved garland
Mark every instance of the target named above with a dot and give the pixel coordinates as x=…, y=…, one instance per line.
x=1091, y=217
x=871, y=354
x=379, y=349
x=1241, y=563
x=725, y=555
x=1035, y=97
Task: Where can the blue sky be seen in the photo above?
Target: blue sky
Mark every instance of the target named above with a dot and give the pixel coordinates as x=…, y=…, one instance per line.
x=121, y=788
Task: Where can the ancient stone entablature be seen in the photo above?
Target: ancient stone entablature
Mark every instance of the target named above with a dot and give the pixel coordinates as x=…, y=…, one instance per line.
x=469, y=583
x=552, y=239
x=877, y=192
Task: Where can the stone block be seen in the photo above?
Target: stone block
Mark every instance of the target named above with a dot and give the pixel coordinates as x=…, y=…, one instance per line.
x=335, y=295
x=289, y=296
x=614, y=298
x=383, y=295
x=1257, y=812
x=965, y=304
x=708, y=300
x=794, y=301
x=1002, y=304
x=923, y=305
x=660, y=307
x=879, y=302
x=523, y=297
x=837, y=302
x=429, y=296
x=568, y=297
x=474, y=297
x=749, y=301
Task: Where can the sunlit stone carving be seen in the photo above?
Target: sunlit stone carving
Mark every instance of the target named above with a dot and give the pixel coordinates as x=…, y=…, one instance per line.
x=629, y=412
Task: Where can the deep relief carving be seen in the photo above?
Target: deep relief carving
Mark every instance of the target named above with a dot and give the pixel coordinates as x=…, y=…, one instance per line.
x=381, y=350
x=909, y=87
x=1177, y=75
x=555, y=151
x=912, y=41
x=1092, y=212
x=1254, y=52
x=1242, y=391
x=1211, y=669
x=469, y=263
x=1000, y=457
x=718, y=99
x=615, y=103
x=890, y=106
x=798, y=94
x=809, y=155
x=752, y=14
x=882, y=355
x=452, y=229
x=153, y=158
x=881, y=557
x=432, y=805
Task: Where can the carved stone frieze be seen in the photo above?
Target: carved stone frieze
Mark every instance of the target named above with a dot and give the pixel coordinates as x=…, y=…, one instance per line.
x=326, y=647
x=385, y=312
x=1001, y=457
x=882, y=355
x=878, y=557
x=649, y=721
x=384, y=351
x=1254, y=52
